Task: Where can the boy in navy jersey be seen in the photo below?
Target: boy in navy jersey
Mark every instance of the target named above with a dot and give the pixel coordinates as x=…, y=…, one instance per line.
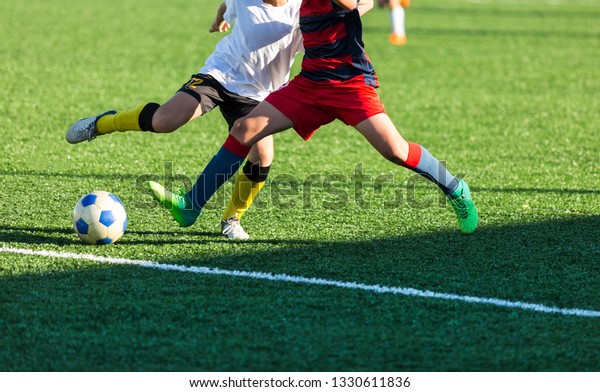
x=337, y=81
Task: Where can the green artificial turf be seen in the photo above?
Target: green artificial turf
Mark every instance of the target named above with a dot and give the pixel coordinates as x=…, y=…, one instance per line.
x=506, y=93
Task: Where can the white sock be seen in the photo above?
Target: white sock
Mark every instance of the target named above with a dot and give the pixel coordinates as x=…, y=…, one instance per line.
x=397, y=14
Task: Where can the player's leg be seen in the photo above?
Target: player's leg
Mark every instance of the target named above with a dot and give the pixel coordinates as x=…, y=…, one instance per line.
x=183, y=107
x=287, y=107
x=247, y=186
x=263, y=121
x=186, y=208
x=257, y=128
x=149, y=117
x=254, y=173
x=397, y=15
x=87, y=129
x=290, y=106
x=180, y=109
x=174, y=113
x=383, y=135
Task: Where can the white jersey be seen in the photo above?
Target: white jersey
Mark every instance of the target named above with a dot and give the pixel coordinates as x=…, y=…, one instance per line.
x=256, y=57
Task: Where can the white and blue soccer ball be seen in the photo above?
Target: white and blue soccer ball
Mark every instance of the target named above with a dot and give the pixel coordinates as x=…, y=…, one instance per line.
x=99, y=218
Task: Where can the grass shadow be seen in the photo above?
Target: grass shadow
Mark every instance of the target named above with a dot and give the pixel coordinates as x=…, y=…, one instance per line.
x=66, y=237
x=128, y=318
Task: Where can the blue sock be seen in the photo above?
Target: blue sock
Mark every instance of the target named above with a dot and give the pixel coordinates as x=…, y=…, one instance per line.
x=221, y=167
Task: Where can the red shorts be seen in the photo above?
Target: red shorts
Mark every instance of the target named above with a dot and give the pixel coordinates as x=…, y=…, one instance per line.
x=309, y=104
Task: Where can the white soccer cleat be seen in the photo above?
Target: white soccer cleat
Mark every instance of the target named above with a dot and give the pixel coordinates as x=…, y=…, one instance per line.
x=232, y=229
x=85, y=129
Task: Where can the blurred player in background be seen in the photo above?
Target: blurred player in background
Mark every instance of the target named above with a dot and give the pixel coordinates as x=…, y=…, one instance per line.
x=244, y=68
x=398, y=34
x=337, y=81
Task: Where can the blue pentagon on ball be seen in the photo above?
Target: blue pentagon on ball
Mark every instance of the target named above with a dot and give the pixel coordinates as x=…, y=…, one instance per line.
x=107, y=218
x=104, y=241
x=88, y=200
x=82, y=227
x=115, y=198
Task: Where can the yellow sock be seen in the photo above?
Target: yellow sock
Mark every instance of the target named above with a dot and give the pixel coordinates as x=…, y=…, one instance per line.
x=121, y=121
x=244, y=192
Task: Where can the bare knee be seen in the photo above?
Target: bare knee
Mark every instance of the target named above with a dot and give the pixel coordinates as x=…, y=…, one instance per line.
x=162, y=123
x=168, y=119
x=239, y=130
x=174, y=113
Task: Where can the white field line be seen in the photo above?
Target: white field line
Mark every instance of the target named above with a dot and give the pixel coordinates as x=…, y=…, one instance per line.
x=314, y=281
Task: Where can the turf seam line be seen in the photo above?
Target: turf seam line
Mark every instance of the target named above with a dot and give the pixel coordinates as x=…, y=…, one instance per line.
x=406, y=291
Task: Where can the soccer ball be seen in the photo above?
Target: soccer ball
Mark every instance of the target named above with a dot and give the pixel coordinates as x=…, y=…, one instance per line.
x=99, y=218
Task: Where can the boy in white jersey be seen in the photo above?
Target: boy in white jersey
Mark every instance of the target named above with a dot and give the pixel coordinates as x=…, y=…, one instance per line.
x=244, y=68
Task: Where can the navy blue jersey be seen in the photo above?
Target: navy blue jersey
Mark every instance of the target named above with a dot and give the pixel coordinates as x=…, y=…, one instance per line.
x=333, y=46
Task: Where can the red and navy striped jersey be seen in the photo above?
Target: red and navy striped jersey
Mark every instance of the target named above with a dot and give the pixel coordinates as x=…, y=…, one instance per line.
x=333, y=46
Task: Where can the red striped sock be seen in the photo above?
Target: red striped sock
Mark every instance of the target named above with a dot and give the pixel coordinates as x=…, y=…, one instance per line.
x=421, y=161
x=414, y=155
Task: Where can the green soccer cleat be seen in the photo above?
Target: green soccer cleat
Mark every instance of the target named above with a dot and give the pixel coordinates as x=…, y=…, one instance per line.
x=178, y=204
x=465, y=209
